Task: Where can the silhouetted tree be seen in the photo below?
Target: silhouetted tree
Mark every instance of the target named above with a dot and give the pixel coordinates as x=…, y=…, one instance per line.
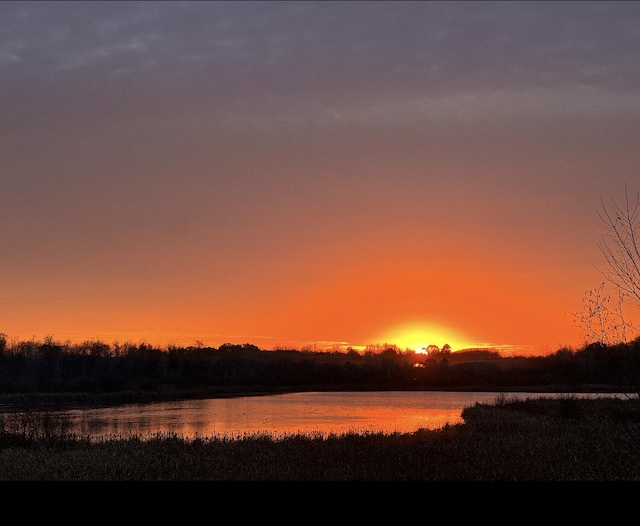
x=620, y=245
x=598, y=321
x=605, y=328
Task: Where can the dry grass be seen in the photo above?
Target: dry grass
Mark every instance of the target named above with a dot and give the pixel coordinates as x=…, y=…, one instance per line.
x=536, y=439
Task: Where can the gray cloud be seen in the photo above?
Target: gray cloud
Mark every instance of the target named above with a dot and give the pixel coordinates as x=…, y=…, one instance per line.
x=444, y=43
x=286, y=63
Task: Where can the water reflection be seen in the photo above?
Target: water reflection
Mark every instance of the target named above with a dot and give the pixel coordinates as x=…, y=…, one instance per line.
x=317, y=413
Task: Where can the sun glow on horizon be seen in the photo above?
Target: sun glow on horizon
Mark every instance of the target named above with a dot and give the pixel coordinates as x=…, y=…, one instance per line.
x=418, y=337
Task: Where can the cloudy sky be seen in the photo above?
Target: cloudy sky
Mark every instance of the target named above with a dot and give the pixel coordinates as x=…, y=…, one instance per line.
x=311, y=173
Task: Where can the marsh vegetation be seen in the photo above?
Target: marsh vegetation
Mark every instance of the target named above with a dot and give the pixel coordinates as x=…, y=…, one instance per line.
x=561, y=438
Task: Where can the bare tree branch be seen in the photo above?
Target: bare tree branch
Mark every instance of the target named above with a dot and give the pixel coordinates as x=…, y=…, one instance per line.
x=599, y=322
x=620, y=245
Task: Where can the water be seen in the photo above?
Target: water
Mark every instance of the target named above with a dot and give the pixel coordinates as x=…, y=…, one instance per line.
x=315, y=413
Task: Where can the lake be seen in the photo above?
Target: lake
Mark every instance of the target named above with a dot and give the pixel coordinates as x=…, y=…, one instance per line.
x=280, y=415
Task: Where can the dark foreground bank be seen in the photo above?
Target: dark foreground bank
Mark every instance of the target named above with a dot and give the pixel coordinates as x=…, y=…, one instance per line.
x=538, y=439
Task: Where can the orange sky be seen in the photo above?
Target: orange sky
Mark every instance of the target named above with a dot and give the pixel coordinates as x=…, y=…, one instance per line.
x=316, y=174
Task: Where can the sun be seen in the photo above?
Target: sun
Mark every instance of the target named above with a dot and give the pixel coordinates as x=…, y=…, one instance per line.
x=420, y=347
x=419, y=336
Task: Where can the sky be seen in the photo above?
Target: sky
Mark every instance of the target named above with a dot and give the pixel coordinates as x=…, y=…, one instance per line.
x=316, y=175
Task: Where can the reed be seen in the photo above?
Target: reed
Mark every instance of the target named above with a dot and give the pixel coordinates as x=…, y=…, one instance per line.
x=538, y=439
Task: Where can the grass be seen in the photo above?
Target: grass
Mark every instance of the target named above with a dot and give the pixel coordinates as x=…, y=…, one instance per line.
x=538, y=439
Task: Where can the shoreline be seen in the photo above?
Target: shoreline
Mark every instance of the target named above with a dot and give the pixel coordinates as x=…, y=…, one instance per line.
x=13, y=402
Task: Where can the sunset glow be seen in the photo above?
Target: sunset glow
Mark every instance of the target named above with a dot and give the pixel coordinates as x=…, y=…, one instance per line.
x=418, y=337
x=326, y=175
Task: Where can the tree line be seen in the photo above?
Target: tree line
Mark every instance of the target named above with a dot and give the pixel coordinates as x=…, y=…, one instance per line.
x=95, y=367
